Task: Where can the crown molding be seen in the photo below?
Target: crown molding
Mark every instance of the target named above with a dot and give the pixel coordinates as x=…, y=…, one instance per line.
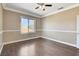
x=26, y=13
x=73, y=6
x=34, y=15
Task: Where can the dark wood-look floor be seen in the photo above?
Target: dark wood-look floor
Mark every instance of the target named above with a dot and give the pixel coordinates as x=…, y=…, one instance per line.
x=38, y=47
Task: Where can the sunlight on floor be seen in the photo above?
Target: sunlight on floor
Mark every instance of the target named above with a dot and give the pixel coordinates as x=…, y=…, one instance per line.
x=27, y=50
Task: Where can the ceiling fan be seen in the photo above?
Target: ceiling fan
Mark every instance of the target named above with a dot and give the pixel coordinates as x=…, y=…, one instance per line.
x=43, y=5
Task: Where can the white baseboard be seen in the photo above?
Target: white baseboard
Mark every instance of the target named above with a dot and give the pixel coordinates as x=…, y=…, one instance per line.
x=60, y=41
x=19, y=40
x=41, y=37
x=1, y=48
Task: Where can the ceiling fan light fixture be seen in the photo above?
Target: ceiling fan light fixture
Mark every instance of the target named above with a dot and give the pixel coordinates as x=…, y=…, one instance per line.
x=43, y=6
x=44, y=9
x=40, y=6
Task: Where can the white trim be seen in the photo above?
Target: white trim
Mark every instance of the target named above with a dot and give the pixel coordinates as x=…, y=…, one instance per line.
x=39, y=30
x=69, y=44
x=77, y=25
x=19, y=40
x=26, y=13
x=39, y=37
x=59, y=31
x=77, y=31
x=7, y=8
x=1, y=48
x=8, y=31
x=60, y=41
x=52, y=13
x=11, y=30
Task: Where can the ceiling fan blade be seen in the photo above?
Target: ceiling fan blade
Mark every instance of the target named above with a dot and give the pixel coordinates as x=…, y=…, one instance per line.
x=48, y=5
x=36, y=7
x=60, y=8
x=40, y=3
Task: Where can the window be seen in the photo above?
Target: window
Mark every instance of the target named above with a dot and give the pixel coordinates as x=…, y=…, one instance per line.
x=27, y=25
x=31, y=25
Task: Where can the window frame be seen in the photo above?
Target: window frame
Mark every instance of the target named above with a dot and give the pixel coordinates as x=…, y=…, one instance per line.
x=28, y=24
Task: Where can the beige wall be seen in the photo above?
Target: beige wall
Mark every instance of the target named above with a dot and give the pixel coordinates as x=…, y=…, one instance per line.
x=1, y=18
x=11, y=21
x=60, y=26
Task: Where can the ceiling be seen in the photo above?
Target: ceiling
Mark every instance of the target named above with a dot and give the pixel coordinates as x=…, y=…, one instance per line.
x=30, y=8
